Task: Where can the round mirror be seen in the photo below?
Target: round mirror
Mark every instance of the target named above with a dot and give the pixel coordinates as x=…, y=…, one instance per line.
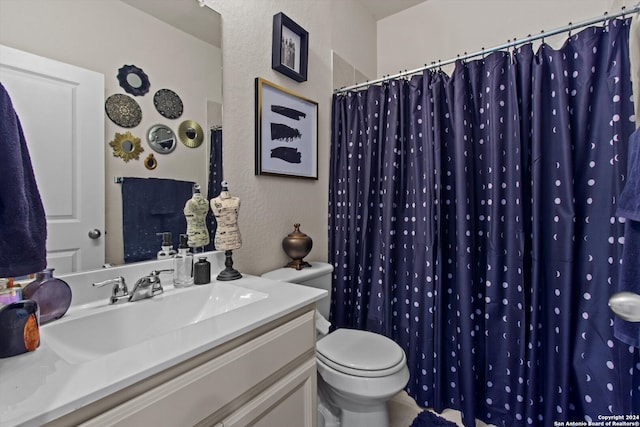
x=133, y=80
x=150, y=162
x=190, y=133
x=161, y=139
x=126, y=146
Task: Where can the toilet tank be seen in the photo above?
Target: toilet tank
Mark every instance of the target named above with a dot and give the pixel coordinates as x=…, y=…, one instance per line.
x=316, y=276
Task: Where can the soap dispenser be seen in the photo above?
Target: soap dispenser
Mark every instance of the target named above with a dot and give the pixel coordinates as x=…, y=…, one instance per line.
x=183, y=264
x=167, y=250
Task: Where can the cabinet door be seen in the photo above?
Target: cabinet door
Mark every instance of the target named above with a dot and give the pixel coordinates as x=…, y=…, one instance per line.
x=289, y=402
x=222, y=384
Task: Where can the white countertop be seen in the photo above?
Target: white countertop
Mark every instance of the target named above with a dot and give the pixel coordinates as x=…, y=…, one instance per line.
x=41, y=386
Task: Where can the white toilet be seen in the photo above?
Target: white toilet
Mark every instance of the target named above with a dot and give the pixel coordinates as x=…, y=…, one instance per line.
x=359, y=370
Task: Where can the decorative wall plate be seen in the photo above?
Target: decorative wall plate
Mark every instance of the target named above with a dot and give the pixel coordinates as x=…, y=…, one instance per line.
x=190, y=133
x=123, y=110
x=161, y=139
x=126, y=146
x=168, y=103
x=133, y=80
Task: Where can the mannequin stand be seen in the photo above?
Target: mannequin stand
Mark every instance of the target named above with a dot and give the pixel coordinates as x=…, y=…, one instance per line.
x=228, y=273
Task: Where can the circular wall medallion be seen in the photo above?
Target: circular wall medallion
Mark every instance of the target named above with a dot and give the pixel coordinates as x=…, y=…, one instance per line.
x=133, y=80
x=126, y=146
x=150, y=162
x=123, y=110
x=168, y=103
x=161, y=139
x=190, y=133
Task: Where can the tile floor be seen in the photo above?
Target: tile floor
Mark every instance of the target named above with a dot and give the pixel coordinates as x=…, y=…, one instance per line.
x=403, y=409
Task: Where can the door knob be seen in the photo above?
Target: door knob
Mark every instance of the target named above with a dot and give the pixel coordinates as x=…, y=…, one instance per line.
x=94, y=234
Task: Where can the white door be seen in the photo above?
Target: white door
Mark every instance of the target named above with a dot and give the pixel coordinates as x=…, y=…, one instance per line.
x=60, y=107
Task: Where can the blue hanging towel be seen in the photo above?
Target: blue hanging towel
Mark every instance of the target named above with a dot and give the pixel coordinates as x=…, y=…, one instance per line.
x=150, y=206
x=628, y=207
x=23, y=225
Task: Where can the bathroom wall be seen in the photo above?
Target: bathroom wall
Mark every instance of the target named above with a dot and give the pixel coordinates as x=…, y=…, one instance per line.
x=271, y=205
x=104, y=35
x=436, y=29
x=354, y=25
x=440, y=29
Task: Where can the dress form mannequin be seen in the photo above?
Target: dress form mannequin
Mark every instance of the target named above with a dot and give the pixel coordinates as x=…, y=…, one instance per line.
x=225, y=209
x=195, y=211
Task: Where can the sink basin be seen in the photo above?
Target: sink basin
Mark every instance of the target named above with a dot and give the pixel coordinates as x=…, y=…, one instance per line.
x=97, y=330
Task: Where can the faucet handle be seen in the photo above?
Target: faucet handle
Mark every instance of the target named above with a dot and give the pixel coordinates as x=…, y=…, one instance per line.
x=114, y=281
x=157, y=272
x=119, y=288
x=154, y=278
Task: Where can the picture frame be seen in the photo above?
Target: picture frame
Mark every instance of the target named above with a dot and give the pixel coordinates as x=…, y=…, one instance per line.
x=286, y=129
x=289, y=48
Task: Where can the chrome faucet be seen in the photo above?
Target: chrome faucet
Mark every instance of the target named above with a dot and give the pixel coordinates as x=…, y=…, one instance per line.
x=119, y=288
x=148, y=286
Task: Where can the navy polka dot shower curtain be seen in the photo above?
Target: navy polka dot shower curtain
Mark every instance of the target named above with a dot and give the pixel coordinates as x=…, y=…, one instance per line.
x=472, y=220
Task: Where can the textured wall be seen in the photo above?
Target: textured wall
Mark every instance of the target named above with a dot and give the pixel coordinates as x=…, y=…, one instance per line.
x=441, y=29
x=271, y=205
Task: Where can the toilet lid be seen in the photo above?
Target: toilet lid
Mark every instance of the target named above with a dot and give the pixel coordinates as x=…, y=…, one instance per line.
x=360, y=353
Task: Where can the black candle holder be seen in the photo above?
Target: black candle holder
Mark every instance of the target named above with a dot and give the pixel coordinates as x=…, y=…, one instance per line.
x=229, y=273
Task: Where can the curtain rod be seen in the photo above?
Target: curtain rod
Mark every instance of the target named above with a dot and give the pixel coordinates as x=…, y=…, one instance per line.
x=542, y=35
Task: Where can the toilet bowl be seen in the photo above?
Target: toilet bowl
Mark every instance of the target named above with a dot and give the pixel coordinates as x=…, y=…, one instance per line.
x=359, y=371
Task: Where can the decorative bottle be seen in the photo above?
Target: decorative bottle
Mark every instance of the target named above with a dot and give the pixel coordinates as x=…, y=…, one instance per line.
x=19, y=331
x=202, y=271
x=183, y=264
x=297, y=245
x=53, y=295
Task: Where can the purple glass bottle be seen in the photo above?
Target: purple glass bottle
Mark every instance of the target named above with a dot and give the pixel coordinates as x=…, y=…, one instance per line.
x=53, y=295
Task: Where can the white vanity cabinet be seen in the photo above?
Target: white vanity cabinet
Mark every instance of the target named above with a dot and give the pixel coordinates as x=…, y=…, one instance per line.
x=266, y=377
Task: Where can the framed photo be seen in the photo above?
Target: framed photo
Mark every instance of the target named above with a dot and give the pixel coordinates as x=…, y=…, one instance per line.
x=290, y=48
x=286, y=132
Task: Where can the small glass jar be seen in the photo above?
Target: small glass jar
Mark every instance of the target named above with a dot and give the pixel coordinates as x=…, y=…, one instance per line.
x=202, y=271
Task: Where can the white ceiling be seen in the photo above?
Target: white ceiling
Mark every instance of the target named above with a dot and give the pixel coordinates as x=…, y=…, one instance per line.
x=382, y=8
x=188, y=16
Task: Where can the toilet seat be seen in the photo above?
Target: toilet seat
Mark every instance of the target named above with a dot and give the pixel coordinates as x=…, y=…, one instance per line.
x=360, y=353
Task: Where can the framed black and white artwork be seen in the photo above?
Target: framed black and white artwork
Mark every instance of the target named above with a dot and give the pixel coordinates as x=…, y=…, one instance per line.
x=289, y=48
x=286, y=132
